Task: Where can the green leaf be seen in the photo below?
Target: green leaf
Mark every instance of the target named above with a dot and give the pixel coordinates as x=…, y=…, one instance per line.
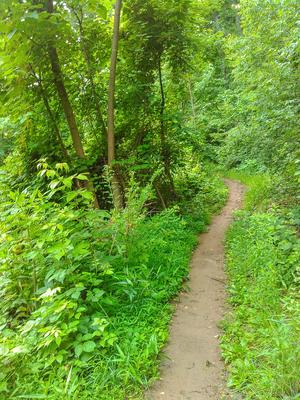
x=82, y=177
x=87, y=195
x=89, y=346
x=4, y=350
x=78, y=349
x=68, y=182
x=11, y=34
x=3, y=387
x=62, y=166
x=33, y=396
x=71, y=196
x=54, y=184
x=50, y=173
x=33, y=14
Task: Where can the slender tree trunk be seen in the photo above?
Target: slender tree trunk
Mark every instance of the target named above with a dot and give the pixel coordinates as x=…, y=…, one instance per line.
x=192, y=102
x=90, y=73
x=238, y=18
x=117, y=193
x=64, y=98
x=165, y=153
x=53, y=121
x=67, y=107
x=63, y=95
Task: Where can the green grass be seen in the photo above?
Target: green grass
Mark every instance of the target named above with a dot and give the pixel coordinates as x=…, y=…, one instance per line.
x=259, y=189
x=260, y=343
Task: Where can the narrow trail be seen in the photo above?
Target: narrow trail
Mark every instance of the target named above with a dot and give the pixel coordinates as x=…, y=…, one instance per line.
x=192, y=368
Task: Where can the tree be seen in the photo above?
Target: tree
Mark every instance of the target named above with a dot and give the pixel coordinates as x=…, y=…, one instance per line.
x=62, y=93
x=117, y=194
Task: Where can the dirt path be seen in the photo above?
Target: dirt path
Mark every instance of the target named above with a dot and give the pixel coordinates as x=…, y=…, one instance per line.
x=192, y=369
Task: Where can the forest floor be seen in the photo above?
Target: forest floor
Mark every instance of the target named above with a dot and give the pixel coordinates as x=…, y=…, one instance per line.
x=192, y=368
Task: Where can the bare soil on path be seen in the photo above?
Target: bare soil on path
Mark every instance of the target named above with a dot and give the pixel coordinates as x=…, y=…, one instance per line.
x=192, y=368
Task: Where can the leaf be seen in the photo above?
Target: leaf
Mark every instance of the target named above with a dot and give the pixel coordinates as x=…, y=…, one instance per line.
x=87, y=195
x=82, y=177
x=68, y=182
x=62, y=166
x=54, y=184
x=81, y=249
x=103, y=213
x=59, y=358
x=33, y=396
x=33, y=14
x=3, y=387
x=78, y=349
x=11, y=34
x=89, y=346
x=43, y=172
x=19, y=349
x=71, y=196
x=50, y=173
x=4, y=350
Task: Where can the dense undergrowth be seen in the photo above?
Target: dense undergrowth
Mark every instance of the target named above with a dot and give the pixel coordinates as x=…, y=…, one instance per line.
x=151, y=89
x=261, y=333
x=85, y=293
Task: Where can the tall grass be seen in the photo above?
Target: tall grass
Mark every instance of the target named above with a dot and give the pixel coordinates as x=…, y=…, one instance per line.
x=261, y=332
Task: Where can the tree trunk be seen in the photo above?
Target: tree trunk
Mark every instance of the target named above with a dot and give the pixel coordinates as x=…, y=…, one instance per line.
x=63, y=95
x=192, y=102
x=238, y=18
x=55, y=127
x=67, y=107
x=116, y=188
x=165, y=152
x=90, y=73
x=64, y=98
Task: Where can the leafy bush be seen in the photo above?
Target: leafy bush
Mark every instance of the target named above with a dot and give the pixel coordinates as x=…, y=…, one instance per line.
x=199, y=189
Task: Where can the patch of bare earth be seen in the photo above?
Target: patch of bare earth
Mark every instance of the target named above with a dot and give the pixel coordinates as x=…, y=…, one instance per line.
x=192, y=368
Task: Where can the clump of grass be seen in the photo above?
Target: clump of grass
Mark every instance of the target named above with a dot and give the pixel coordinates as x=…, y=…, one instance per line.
x=258, y=194
x=261, y=333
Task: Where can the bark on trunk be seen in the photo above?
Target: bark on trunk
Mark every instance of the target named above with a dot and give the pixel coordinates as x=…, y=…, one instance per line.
x=116, y=188
x=192, y=102
x=238, y=19
x=165, y=153
x=65, y=102
x=90, y=73
x=52, y=119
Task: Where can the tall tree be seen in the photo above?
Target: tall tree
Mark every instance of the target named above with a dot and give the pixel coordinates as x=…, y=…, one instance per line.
x=117, y=193
x=79, y=15
x=52, y=119
x=62, y=93
x=65, y=102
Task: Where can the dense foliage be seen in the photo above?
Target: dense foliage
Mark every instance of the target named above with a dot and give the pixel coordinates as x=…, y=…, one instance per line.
x=85, y=292
x=259, y=136
x=110, y=132
x=263, y=100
